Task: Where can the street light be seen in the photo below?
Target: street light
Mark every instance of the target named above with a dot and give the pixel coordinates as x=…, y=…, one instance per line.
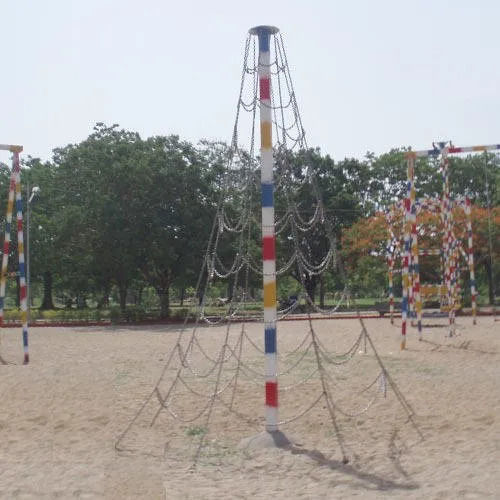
x=35, y=190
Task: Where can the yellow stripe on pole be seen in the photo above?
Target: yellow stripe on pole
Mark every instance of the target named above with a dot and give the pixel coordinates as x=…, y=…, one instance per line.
x=265, y=135
x=270, y=295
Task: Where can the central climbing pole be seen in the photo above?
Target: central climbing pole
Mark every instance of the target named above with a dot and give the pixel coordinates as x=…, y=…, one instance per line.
x=268, y=237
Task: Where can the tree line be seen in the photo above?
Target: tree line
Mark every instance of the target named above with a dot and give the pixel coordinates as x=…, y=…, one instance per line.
x=120, y=215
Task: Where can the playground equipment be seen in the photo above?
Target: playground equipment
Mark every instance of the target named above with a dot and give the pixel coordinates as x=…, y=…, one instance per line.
x=225, y=371
x=451, y=251
x=15, y=192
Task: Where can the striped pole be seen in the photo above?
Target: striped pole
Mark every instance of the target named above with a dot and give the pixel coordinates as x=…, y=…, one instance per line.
x=406, y=251
x=268, y=237
x=20, y=253
x=448, y=240
x=415, y=264
x=15, y=193
x=390, y=263
x=6, y=242
x=470, y=252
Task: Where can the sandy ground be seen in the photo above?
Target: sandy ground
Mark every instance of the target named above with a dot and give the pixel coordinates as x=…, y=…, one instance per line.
x=61, y=416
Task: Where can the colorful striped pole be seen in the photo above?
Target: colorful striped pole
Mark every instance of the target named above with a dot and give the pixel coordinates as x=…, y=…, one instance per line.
x=448, y=240
x=6, y=242
x=15, y=192
x=405, y=302
x=20, y=254
x=390, y=263
x=470, y=252
x=268, y=237
x=415, y=264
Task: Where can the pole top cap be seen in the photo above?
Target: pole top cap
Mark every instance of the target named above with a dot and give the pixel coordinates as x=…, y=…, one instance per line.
x=257, y=30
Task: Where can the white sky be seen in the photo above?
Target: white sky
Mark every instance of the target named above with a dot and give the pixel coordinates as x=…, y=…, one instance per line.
x=369, y=75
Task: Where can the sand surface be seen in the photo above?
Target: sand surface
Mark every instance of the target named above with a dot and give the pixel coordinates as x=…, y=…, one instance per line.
x=62, y=415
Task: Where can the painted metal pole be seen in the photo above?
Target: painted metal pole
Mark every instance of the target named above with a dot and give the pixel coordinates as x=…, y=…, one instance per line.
x=6, y=241
x=20, y=252
x=410, y=158
x=28, y=281
x=15, y=193
x=268, y=236
x=390, y=263
x=452, y=149
x=448, y=240
x=470, y=252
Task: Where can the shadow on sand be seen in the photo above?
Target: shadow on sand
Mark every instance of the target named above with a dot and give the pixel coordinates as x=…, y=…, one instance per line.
x=278, y=440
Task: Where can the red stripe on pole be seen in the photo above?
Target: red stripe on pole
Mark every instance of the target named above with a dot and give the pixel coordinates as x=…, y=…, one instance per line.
x=22, y=293
x=403, y=328
x=20, y=225
x=272, y=394
x=6, y=248
x=268, y=248
x=265, y=88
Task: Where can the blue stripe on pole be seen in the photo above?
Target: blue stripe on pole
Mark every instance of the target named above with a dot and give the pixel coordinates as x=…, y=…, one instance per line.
x=19, y=205
x=25, y=338
x=264, y=37
x=1, y=302
x=270, y=340
x=7, y=227
x=21, y=269
x=404, y=304
x=473, y=283
x=267, y=195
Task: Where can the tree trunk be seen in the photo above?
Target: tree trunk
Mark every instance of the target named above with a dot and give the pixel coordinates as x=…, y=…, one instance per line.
x=123, y=297
x=489, y=274
x=81, y=301
x=47, y=301
x=321, y=292
x=18, y=291
x=310, y=284
x=104, y=300
x=183, y=293
x=138, y=296
x=164, y=296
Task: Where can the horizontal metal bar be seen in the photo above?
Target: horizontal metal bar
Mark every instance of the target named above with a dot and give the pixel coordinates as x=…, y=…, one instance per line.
x=13, y=148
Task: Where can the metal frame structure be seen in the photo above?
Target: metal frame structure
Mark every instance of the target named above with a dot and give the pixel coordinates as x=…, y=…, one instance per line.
x=451, y=248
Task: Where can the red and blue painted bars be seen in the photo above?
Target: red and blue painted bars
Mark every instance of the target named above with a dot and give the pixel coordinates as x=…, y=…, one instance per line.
x=268, y=236
x=450, y=150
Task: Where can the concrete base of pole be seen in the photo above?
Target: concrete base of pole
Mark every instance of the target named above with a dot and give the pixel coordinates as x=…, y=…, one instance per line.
x=267, y=439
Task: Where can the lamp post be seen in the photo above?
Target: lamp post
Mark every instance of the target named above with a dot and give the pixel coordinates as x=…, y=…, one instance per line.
x=29, y=196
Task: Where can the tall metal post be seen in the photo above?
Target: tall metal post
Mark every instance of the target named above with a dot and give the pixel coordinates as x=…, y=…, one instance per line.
x=15, y=195
x=268, y=236
x=20, y=255
x=28, y=276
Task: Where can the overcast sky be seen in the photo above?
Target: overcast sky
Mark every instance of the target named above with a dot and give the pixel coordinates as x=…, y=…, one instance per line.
x=369, y=75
